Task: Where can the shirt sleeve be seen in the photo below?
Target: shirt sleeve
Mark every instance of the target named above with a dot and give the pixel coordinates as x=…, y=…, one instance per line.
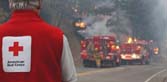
x=68, y=68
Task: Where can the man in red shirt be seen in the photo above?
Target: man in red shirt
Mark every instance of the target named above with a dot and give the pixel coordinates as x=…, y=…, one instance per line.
x=31, y=50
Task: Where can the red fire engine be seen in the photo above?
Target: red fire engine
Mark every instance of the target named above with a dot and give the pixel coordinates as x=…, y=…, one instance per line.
x=100, y=51
x=134, y=52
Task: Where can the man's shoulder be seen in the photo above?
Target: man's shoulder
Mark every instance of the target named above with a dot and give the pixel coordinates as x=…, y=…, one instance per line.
x=58, y=34
x=3, y=26
x=55, y=29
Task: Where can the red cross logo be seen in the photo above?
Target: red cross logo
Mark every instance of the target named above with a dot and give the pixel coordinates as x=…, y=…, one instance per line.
x=15, y=49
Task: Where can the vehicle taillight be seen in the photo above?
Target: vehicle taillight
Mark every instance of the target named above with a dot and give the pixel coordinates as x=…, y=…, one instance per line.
x=138, y=47
x=110, y=54
x=108, y=57
x=113, y=46
x=84, y=45
x=84, y=55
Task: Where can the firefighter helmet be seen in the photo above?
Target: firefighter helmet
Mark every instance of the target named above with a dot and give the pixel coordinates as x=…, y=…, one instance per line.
x=24, y=4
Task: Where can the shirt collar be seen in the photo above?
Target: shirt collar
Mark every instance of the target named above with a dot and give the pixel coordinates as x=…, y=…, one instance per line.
x=25, y=14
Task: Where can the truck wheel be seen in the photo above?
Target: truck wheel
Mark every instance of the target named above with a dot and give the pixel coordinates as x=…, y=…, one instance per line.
x=130, y=62
x=123, y=63
x=143, y=62
x=93, y=64
x=118, y=62
x=147, y=62
x=85, y=63
x=114, y=64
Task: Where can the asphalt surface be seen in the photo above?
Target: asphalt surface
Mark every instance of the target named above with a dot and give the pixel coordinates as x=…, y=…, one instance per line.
x=132, y=73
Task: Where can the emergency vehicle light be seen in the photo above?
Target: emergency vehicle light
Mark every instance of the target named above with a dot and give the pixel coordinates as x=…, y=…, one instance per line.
x=123, y=56
x=108, y=57
x=130, y=40
x=84, y=45
x=135, y=56
x=156, y=51
x=77, y=24
x=117, y=47
x=113, y=47
x=81, y=25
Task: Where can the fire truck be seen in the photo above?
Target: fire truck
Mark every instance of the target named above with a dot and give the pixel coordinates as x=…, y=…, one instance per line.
x=156, y=51
x=135, y=53
x=100, y=51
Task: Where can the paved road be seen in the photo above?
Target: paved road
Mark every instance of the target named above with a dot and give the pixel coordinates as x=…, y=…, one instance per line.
x=134, y=73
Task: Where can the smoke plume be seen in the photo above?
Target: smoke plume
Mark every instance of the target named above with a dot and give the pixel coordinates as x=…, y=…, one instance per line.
x=115, y=24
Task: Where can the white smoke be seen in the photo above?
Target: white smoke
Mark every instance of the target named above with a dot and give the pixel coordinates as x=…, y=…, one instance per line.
x=115, y=24
x=107, y=3
x=98, y=26
x=159, y=23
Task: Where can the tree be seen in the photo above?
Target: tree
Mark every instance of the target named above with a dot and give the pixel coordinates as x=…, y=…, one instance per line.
x=57, y=11
x=3, y=15
x=139, y=12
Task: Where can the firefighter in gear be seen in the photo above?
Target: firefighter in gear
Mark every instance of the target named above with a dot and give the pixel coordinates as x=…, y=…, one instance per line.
x=96, y=54
x=31, y=50
x=97, y=58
